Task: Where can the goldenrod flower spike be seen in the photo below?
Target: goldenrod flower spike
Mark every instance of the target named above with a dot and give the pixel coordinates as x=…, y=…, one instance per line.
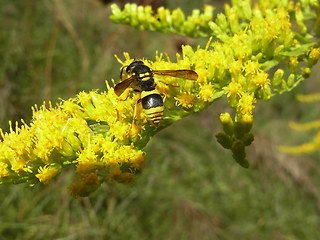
x=251, y=39
x=164, y=20
x=95, y=131
x=86, y=132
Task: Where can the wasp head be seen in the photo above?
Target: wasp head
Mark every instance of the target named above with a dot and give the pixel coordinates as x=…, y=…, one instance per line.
x=130, y=69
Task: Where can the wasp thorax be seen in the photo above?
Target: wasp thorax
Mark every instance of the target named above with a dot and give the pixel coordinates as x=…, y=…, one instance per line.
x=144, y=77
x=146, y=85
x=142, y=70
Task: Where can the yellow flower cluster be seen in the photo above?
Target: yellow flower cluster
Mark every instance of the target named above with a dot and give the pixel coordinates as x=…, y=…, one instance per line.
x=90, y=132
x=164, y=20
x=96, y=131
x=251, y=39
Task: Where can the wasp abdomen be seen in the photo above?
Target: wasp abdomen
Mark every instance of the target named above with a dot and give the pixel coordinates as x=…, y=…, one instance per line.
x=151, y=101
x=152, y=104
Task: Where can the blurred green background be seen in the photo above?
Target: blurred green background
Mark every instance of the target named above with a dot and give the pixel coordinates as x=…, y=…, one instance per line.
x=190, y=188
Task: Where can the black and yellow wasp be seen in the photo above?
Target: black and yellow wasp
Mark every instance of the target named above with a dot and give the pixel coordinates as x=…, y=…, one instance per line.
x=141, y=77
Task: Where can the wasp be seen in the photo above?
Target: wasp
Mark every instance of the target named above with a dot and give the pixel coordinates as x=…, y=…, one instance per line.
x=141, y=76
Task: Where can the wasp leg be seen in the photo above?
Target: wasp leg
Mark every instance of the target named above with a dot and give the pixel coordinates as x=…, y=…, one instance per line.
x=135, y=113
x=163, y=97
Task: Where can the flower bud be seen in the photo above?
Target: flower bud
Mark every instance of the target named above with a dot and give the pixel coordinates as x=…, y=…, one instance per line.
x=239, y=153
x=227, y=123
x=224, y=140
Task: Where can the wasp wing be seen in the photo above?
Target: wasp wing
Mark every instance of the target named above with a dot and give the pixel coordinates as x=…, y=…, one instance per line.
x=187, y=74
x=120, y=87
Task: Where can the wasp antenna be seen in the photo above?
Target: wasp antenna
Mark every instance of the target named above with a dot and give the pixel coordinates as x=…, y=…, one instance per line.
x=121, y=71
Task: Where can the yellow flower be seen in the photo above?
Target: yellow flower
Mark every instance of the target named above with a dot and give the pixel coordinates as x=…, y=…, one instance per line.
x=314, y=53
x=119, y=176
x=77, y=189
x=138, y=159
x=261, y=80
x=163, y=88
x=86, y=166
x=293, y=64
x=233, y=89
x=313, y=56
x=185, y=100
x=47, y=126
x=81, y=187
x=76, y=132
x=19, y=164
x=136, y=129
x=206, y=92
x=46, y=173
x=236, y=68
x=120, y=130
x=251, y=68
x=245, y=105
x=92, y=179
x=16, y=148
x=247, y=121
x=4, y=172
